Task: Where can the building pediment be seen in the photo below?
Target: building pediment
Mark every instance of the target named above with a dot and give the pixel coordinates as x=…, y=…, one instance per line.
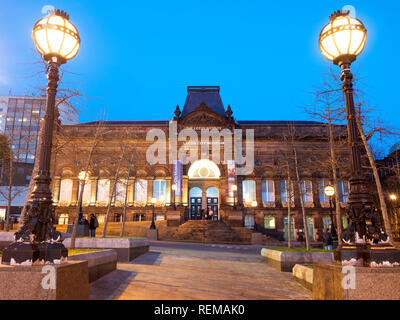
x=204, y=116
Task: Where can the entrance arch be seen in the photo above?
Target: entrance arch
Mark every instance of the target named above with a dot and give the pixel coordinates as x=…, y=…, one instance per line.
x=203, y=185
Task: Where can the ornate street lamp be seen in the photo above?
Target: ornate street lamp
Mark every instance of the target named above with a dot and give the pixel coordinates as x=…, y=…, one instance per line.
x=153, y=225
x=173, y=187
x=329, y=192
x=341, y=41
x=57, y=40
x=234, y=189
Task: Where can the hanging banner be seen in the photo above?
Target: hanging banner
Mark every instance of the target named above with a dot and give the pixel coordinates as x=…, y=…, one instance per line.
x=177, y=178
x=231, y=176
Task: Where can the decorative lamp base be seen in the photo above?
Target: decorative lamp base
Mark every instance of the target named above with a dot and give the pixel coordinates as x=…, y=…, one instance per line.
x=27, y=254
x=366, y=255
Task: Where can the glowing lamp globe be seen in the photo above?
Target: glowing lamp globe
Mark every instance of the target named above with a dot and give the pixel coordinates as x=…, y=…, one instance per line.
x=329, y=191
x=153, y=200
x=254, y=203
x=393, y=197
x=234, y=187
x=173, y=187
x=56, y=37
x=342, y=38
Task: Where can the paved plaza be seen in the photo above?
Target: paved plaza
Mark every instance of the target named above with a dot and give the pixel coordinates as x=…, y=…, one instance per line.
x=175, y=271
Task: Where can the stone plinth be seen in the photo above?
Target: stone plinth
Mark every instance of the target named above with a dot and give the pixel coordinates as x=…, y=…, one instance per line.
x=66, y=281
x=127, y=249
x=152, y=234
x=379, y=283
x=174, y=218
x=82, y=230
x=285, y=261
x=235, y=218
x=256, y=238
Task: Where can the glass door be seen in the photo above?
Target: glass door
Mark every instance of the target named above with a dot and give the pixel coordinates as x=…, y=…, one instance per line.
x=196, y=204
x=212, y=205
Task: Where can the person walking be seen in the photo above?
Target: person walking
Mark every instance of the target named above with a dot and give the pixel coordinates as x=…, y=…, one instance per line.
x=93, y=224
x=328, y=240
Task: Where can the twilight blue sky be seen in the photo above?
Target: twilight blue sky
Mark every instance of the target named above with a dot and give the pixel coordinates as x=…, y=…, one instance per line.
x=137, y=57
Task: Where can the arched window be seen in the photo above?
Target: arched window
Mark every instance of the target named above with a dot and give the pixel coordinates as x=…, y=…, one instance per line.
x=120, y=190
x=195, y=193
x=87, y=191
x=212, y=192
x=204, y=169
x=159, y=190
x=141, y=191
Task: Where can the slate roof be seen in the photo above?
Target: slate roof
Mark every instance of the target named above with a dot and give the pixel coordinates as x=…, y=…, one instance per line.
x=165, y=122
x=208, y=94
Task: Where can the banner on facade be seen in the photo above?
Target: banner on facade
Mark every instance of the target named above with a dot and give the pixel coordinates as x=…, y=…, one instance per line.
x=231, y=176
x=177, y=177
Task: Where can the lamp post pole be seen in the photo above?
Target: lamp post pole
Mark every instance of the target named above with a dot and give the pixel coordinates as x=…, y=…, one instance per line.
x=153, y=225
x=341, y=41
x=174, y=190
x=334, y=233
x=37, y=238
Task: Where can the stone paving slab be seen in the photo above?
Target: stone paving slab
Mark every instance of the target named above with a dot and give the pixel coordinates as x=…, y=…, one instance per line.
x=183, y=274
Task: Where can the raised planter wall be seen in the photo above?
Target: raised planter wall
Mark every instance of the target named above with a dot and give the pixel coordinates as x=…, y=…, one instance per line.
x=285, y=261
x=303, y=274
x=127, y=249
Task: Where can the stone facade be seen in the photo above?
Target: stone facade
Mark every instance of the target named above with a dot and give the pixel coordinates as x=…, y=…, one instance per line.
x=273, y=150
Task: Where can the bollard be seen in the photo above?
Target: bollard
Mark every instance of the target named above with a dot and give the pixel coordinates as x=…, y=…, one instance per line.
x=1, y=224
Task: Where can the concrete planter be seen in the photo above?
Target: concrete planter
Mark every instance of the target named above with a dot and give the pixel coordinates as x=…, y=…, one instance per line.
x=100, y=262
x=304, y=274
x=285, y=261
x=127, y=249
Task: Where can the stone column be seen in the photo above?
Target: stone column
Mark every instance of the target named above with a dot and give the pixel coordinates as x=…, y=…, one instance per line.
x=56, y=188
x=277, y=190
x=315, y=191
x=258, y=182
x=168, y=196
x=93, y=190
x=150, y=182
x=131, y=191
x=185, y=191
x=75, y=188
x=240, y=190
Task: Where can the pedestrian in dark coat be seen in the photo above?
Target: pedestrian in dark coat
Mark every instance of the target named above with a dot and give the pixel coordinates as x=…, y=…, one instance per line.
x=93, y=224
x=328, y=240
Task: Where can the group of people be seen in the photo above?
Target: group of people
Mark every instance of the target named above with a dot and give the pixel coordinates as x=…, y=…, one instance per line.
x=207, y=214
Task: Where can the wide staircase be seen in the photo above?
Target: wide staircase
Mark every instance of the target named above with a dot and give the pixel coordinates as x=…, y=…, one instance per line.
x=206, y=231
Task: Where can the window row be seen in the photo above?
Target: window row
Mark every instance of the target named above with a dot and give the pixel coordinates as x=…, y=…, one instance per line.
x=287, y=194
x=103, y=191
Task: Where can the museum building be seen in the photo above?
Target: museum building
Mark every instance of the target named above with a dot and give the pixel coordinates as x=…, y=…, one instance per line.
x=178, y=189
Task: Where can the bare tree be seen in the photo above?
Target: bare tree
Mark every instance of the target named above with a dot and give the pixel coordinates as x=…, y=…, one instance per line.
x=126, y=194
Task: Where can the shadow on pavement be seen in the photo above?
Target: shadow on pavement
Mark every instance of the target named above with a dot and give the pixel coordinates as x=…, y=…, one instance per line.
x=149, y=258
x=112, y=285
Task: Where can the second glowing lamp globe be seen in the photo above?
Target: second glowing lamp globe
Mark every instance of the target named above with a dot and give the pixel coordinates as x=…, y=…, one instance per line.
x=342, y=38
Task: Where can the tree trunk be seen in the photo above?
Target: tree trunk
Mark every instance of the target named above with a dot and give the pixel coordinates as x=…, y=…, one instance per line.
x=289, y=215
x=76, y=221
x=113, y=192
x=377, y=181
x=301, y=201
x=335, y=181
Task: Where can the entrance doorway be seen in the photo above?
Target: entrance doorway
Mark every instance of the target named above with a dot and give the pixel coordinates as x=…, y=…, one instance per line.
x=196, y=203
x=212, y=202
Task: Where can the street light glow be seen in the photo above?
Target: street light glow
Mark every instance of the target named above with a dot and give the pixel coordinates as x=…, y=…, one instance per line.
x=343, y=35
x=55, y=36
x=393, y=197
x=329, y=191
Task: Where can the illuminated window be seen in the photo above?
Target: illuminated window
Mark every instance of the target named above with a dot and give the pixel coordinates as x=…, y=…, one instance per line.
x=103, y=190
x=323, y=198
x=269, y=222
x=141, y=191
x=343, y=187
x=87, y=189
x=306, y=190
x=204, y=169
x=286, y=191
x=120, y=190
x=66, y=190
x=268, y=191
x=159, y=190
x=249, y=191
